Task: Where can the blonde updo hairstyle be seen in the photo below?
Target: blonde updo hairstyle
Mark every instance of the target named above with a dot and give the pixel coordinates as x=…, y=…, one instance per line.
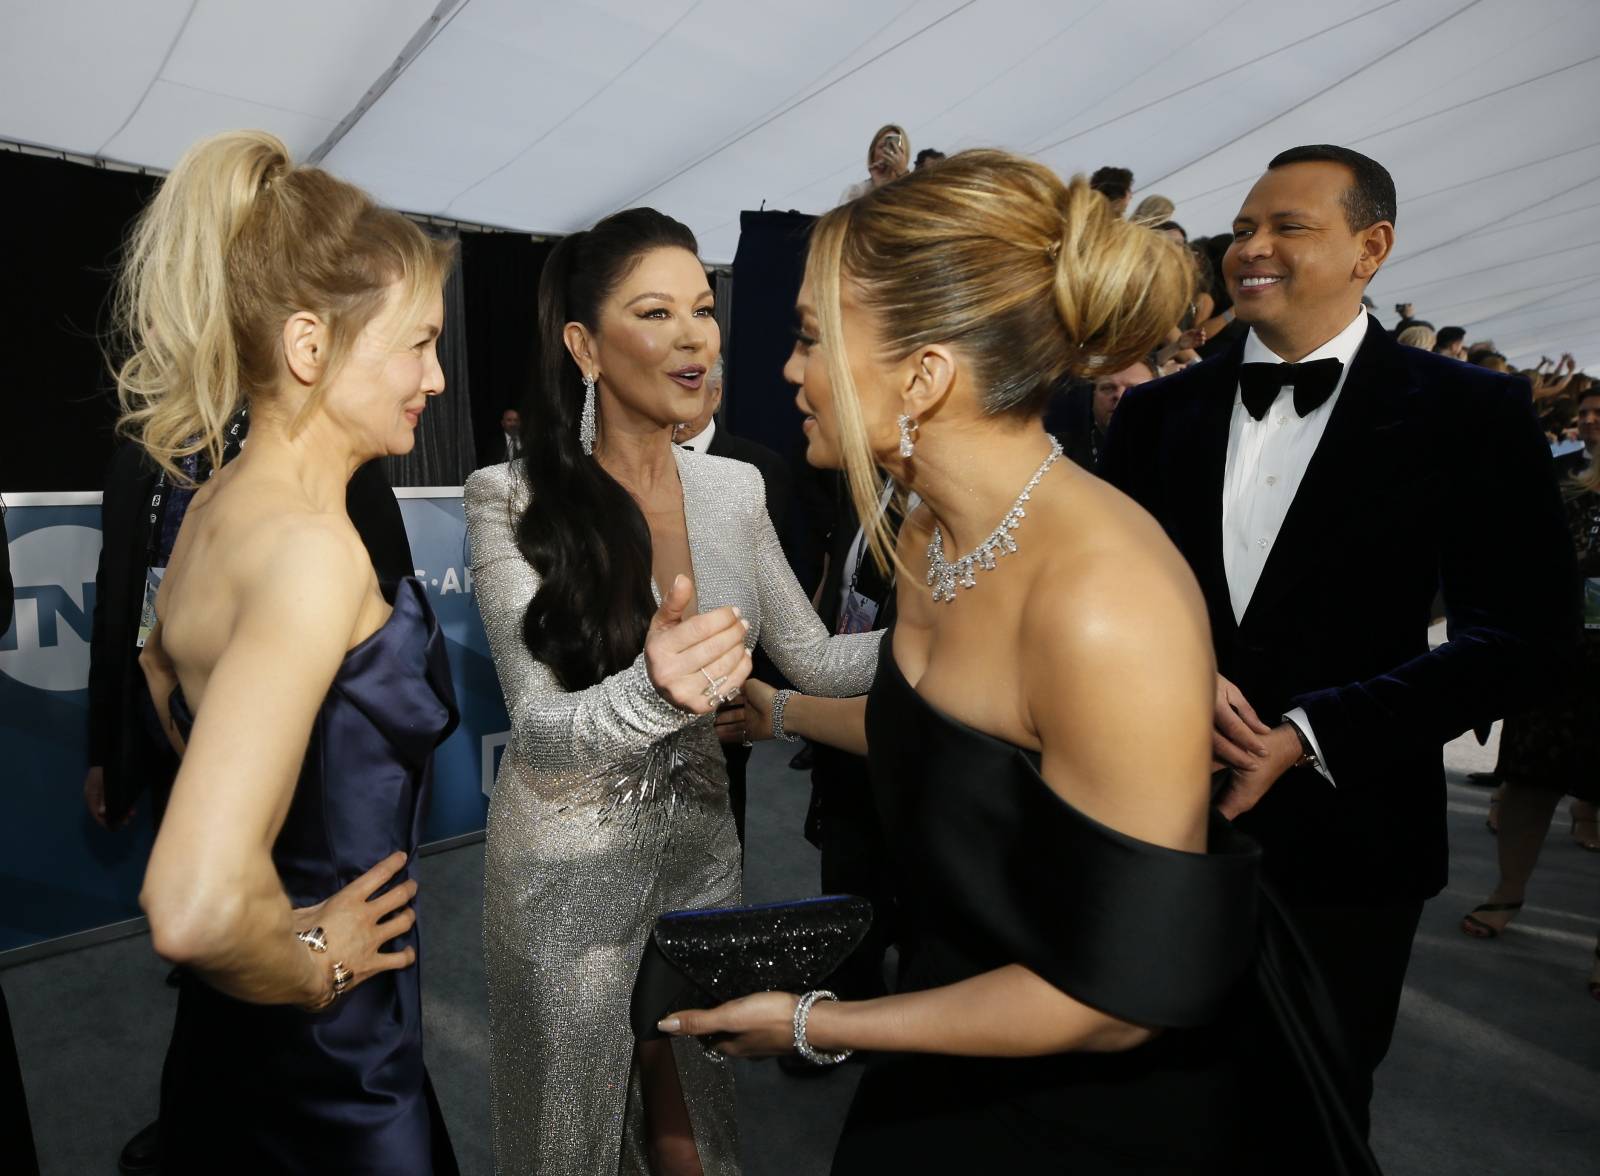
x=238, y=239
x=1028, y=278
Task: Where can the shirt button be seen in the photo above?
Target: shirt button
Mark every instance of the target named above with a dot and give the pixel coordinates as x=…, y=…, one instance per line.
x=1262, y=543
x=1272, y=479
x=1283, y=420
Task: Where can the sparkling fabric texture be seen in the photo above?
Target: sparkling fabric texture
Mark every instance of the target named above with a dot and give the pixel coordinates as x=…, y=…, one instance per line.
x=611, y=808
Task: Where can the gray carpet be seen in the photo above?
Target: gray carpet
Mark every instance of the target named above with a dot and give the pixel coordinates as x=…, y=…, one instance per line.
x=1495, y=1066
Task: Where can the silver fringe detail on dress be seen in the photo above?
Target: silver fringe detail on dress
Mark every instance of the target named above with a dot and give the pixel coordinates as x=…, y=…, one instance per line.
x=586, y=425
x=611, y=807
x=945, y=577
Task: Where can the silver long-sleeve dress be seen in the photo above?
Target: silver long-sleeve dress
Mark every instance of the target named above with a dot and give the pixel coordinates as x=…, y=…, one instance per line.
x=610, y=807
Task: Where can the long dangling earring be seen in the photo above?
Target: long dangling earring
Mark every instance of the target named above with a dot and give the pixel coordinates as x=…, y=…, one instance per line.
x=586, y=424
x=908, y=436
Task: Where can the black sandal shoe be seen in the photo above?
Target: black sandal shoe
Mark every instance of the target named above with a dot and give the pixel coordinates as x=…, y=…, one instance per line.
x=1478, y=929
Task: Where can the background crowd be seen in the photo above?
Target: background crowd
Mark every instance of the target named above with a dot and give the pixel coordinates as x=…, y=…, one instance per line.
x=1558, y=745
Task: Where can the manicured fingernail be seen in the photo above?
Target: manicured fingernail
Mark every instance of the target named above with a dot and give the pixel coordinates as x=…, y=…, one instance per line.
x=736, y=611
x=668, y=1024
x=745, y=623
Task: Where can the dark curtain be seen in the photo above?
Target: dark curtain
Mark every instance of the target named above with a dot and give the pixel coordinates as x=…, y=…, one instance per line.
x=58, y=408
x=767, y=270
x=500, y=287
x=444, y=453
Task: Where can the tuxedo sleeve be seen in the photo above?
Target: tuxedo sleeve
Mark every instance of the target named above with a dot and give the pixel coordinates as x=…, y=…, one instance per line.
x=1508, y=575
x=376, y=516
x=1125, y=462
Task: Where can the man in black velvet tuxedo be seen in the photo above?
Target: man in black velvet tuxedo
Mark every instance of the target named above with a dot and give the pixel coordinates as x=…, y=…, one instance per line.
x=1319, y=522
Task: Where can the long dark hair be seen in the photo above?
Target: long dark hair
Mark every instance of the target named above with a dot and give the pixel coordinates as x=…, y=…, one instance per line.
x=583, y=532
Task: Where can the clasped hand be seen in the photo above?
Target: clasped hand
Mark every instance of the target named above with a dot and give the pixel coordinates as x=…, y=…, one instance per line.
x=1254, y=754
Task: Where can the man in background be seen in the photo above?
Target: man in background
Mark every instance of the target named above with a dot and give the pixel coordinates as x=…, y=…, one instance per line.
x=1081, y=416
x=506, y=445
x=703, y=434
x=1116, y=185
x=1451, y=341
x=1332, y=709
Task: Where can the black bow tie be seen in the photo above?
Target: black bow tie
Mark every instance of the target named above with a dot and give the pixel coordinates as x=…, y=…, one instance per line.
x=1314, y=382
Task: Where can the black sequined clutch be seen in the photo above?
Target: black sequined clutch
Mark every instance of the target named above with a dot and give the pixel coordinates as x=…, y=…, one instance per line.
x=702, y=958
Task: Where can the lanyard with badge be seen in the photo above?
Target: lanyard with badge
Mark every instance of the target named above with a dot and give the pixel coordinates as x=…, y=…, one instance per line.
x=155, y=567
x=858, y=613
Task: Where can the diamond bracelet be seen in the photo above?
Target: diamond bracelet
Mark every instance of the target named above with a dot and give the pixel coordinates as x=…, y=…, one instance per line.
x=802, y=1014
x=779, y=701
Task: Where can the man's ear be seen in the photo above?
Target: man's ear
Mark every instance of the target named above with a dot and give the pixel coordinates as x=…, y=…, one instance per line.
x=1377, y=242
x=305, y=347
x=930, y=373
x=580, y=345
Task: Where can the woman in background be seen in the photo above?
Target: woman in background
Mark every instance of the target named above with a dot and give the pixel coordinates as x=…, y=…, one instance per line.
x=888, y=158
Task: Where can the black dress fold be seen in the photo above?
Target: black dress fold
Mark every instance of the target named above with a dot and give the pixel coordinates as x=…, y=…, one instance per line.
x=992, y=868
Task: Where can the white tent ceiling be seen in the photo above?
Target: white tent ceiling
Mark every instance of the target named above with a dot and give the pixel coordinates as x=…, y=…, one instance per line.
x=544, y=116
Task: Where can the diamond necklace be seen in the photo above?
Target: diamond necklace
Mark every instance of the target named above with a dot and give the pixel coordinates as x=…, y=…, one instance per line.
x=944, y=577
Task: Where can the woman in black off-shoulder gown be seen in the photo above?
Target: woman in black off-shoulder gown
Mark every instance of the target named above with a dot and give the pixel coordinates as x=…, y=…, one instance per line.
x=1092, y=977
x=992, y=867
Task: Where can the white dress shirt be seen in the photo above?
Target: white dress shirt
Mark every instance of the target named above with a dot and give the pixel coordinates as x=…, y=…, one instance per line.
x=701, y=441
x=1266, y=461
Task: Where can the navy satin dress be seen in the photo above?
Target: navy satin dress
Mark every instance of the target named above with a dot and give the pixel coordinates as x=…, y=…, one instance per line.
x=271, y=1088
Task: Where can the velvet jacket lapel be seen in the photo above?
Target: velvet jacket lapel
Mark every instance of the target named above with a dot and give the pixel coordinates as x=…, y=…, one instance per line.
x=1370, y=399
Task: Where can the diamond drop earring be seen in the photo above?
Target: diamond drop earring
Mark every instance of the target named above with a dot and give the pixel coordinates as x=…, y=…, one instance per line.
x=908, y=435
x=586, y=423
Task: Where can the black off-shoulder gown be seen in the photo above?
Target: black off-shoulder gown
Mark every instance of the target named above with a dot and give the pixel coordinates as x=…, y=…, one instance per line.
x=993, y=868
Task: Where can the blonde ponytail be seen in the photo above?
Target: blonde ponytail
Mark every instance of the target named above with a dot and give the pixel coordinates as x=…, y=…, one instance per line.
x=235, y=241
x=989, y=252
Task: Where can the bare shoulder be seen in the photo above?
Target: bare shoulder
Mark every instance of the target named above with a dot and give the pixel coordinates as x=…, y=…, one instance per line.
x=307, y=544
x=1112, y=576
x=1118, y=671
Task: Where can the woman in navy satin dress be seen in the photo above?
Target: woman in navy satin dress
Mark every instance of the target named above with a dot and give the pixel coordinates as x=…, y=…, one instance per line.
x=306, y=705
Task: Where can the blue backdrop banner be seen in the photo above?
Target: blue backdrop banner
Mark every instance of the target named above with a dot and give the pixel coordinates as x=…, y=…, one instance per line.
x=60, y=873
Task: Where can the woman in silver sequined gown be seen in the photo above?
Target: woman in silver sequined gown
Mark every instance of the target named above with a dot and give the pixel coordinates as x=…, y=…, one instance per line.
x=610, y=807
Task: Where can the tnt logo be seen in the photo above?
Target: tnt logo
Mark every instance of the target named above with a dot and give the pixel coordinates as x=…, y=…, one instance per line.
x=47, y=646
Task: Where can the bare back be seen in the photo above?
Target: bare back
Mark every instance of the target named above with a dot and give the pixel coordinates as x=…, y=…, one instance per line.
x=236, y=525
